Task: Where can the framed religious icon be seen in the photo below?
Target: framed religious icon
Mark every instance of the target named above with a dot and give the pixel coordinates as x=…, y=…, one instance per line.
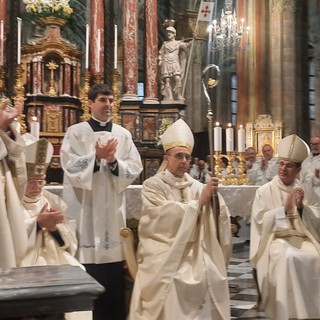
x=263, y=131
x=263, y=137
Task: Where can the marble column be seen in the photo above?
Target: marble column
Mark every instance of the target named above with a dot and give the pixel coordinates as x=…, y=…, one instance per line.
x=130, y=52
x=96, y=59
x=151, y=62
x=4, y=18
x=76, y=78
x=314, y=42
x=37, y=75
x=66, y=77
x=289, y=65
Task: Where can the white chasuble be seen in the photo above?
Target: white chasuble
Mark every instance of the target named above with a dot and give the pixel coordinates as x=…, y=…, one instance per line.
x=181, y=265
x=286, y=254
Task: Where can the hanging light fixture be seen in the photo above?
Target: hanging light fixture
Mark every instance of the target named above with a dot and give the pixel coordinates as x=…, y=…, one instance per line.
x=228, y=34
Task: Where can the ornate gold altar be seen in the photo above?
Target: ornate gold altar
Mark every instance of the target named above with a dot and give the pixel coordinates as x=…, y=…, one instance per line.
x=51, y=71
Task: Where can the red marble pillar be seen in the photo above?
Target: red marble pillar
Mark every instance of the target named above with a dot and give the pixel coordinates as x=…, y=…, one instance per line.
x=151, y=62
x=96, y=59
x=67, y=78
x=37, y=76
x=130, y=52
x=4, y=18
x=75, y=77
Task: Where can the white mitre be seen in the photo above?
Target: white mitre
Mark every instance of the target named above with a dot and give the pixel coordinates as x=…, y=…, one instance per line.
x=292, y=148
x=178, y=134
x=38, y=155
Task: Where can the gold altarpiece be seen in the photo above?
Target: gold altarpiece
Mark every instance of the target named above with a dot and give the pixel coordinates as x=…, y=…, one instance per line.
x=51, y=76
x=51, y=73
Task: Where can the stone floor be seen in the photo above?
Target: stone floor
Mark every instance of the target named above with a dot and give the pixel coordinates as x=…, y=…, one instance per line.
x=243, y=293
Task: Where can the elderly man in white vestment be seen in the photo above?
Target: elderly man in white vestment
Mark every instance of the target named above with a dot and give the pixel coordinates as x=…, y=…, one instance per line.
x=184, y=247
x=13, y=177
x=52, y=236
x=284, y=245
x=100, y=160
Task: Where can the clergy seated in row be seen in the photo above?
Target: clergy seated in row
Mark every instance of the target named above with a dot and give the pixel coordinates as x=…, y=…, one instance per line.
x=284, y=241
x=199, y=173
x=261, y=170
x=51, y=232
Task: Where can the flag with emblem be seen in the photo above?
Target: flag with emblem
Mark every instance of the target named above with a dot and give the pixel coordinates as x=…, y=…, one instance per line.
x=205, y=11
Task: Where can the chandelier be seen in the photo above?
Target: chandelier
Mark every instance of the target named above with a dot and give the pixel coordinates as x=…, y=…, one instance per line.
x=228, y=34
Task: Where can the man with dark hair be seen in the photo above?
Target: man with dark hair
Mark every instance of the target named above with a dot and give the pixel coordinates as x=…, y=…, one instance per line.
x=100, y=160
x=285, y=234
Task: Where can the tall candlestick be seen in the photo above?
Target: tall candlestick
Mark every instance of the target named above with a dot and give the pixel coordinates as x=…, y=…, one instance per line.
x=115, y=46
x=217, y=133
x=229, y=138
x=87, y=47
x=98, y=50
x=241, y=139
x=19, y=41
x=35, y=128
x=1, y=42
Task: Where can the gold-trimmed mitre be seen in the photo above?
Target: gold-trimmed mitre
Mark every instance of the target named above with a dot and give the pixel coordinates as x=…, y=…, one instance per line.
x=38, y=157
x=178, y=134
x=292, y=148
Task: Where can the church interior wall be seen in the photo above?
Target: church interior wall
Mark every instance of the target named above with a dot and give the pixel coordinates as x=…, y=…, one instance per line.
x=272, y=74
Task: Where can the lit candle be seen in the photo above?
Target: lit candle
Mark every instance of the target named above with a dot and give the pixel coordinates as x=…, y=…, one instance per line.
x=98, y=50
x=87, y=47
x=217, y=133
x=19, y=41
x=115, y=46
x=229, y=138
x=1, y=42
x=241, y=139
x=35, y=128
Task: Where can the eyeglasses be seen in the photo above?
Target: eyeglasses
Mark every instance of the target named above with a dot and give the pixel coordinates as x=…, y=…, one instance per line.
x=38, y=183
x=182, y=156
x=287, y=165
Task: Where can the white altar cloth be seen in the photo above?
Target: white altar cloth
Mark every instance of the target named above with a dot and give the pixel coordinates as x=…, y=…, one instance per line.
x=239, y=199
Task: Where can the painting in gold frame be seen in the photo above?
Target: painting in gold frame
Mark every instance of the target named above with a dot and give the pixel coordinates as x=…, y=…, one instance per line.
x=263, y=137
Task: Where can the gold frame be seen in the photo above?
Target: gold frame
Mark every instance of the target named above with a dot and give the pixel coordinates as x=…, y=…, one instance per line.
x=256, y=133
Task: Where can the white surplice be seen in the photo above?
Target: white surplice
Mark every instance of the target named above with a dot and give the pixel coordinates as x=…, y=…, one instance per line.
x=286, y=254
x=13, y=177
x=97, y=199
x=181, y=264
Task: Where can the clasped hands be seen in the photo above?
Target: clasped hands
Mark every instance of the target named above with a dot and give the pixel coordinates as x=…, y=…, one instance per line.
x=48, y=219
x=209, y=189
x=295, y=198
x=106, y=150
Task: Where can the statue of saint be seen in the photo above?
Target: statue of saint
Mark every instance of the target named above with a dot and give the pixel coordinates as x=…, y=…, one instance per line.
x=172, y=63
